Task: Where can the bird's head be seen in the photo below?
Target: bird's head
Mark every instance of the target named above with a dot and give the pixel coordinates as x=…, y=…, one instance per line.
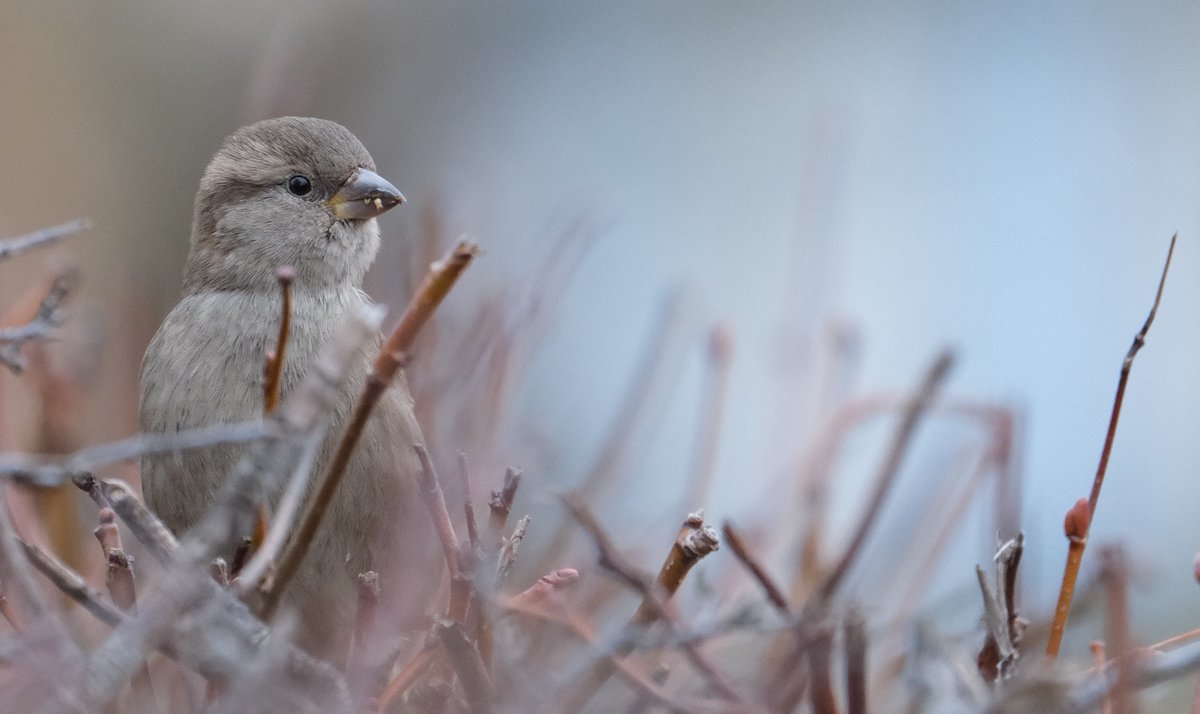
x=288, y=191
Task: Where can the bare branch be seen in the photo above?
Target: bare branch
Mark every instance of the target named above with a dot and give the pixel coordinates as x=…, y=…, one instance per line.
x=1079, y=544
x=917, y=405
x=738, y=546
x=23, y=244
x=69, y=582
x=555, y=611
x=435, y=503
x=468, y=665
x=275, y=360
x=47, y=319
x=438, y=281
x=464, y=477
x=500, y=506
x=46, y=471
x=14, y=570
x=694, y=541
x=140, y=520
x=508, y=553
x=855, y=646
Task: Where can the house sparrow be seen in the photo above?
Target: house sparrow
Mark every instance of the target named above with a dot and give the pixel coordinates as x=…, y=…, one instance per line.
x=302, y=193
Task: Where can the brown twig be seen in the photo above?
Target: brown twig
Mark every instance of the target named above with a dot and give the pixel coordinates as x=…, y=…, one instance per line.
x=406, y=677
x=820, y=655
x=464, y=478
x=120, y=582
x=69, y=582
x=435, y=502
x=14, y=569
x=695, y=540
x=1098, y=657
x=460, y=585
x=438, y=281
x=549, y=608
x=1114, y=573
x=499, y=508
x=468, y=665
x=917, y=405
x=240, y=555
x=545, y=589
x=855, y=646
x=47, y=319
x=119, y=573
x=608, y=557
x=508, y=552
x=748, y=559
x=1079, y=543
x=285, y=275
x=1139, y=341
x=140, y=520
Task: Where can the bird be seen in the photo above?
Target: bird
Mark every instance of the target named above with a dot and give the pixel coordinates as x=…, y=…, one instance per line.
x=303, y=193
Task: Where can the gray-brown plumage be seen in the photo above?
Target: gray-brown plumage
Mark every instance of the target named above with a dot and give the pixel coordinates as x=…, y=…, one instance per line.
x=303, y=193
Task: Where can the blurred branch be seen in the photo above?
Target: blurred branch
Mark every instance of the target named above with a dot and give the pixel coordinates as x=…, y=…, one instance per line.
x=119, y=578
x=72, y=585
x=46, y=471
x=916, y=408
x=144, y=525
x=508, y=553
x=46, y=319
x=499, y=508
x=694, y=541
x=545, y=604
x=438, y=282
x=435, y=503
x=746, y=558
x=16, y=246
x=468, y=665
x=855, y=647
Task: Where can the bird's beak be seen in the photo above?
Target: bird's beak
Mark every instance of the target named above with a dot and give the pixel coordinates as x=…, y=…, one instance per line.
x=365, y=194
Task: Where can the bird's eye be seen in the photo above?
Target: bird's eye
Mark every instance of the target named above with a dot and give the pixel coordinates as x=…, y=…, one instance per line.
x=299, y=185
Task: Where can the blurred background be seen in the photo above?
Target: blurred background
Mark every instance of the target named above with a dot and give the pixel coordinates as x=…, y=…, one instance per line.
x=840, y=192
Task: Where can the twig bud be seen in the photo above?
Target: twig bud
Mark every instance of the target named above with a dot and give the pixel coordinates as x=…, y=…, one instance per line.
x=1079, y=519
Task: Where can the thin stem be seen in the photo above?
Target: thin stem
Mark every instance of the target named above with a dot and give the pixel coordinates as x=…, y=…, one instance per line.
x=917, y=405
x=748, y=559
x=1079, y=544
x=23, y=244
x=439, y=280
x=272, y=380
